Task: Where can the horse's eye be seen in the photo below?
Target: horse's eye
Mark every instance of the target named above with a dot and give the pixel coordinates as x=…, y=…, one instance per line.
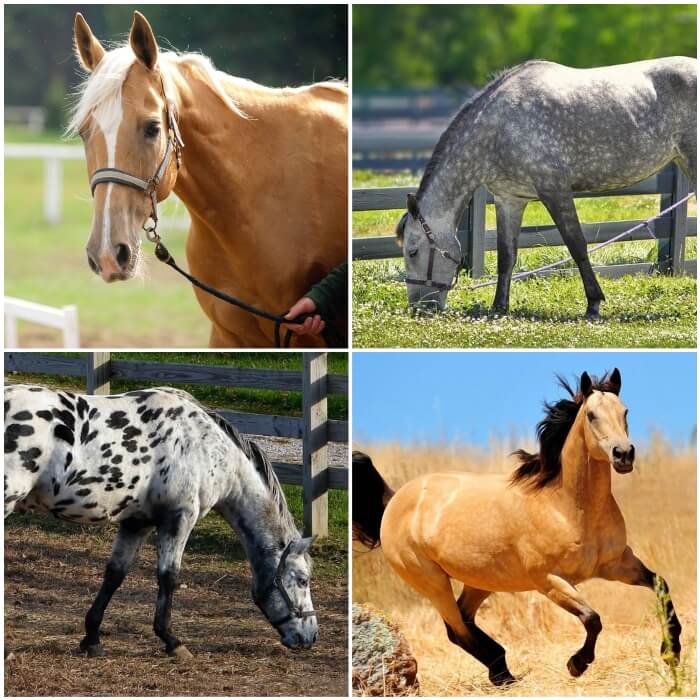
x=152, y=130
x=412, y=251
x=303, y=582
x=591, y=415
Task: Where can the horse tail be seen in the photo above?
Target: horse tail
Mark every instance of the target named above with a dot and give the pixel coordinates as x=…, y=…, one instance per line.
x=370, y=496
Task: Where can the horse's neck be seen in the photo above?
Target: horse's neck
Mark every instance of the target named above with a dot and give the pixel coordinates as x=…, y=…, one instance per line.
x=250, y=509
x=454, y=176
x=586, y=482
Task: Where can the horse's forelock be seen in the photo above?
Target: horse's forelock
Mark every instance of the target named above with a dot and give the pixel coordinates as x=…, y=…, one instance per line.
x=400, y=228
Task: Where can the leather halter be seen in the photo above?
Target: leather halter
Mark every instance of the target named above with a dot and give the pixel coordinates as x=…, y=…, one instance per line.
x=434, y=247
x=174, y=145
x=295, y=611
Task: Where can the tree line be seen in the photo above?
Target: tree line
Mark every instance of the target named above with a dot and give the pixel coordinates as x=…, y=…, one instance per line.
x=400, y=46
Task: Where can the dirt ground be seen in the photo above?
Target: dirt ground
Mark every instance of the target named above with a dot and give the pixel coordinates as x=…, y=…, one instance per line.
x=51, y=578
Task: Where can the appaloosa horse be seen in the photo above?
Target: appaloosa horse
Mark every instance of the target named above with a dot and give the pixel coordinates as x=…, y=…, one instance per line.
x=545, y=131
x=548, y=526
x=262, y=172
x=156, y=460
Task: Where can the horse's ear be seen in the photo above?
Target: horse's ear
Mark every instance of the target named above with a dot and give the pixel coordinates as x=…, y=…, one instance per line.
x=143, y=41
x=615, y=381
x=302, y=545
x=412, y=205
x=586, y=385
x=88, y=49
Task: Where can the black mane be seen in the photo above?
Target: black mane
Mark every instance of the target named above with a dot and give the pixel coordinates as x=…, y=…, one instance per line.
x=542, y=468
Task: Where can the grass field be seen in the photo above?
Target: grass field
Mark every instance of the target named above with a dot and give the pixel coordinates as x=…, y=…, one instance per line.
x=640, y=311
x=53, y=570
x=47, y=264
x=658, y=501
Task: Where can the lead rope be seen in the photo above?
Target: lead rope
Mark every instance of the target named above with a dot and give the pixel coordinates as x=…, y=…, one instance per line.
x=330, y=334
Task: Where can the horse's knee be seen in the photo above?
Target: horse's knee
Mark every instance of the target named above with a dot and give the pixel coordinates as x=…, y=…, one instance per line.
x=593, y=623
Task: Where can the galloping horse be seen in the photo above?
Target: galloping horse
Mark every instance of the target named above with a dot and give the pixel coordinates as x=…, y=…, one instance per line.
x=262, y=172
x=156, y=459
x=550, y=525
x=545, y=131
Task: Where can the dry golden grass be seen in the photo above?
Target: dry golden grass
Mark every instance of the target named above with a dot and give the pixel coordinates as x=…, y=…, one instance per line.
x=658, y=501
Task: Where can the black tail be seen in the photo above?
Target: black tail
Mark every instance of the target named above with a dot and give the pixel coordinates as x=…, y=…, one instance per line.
x=370, y=494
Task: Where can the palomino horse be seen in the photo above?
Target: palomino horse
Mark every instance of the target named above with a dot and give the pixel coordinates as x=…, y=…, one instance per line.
x=156, y=459
x=545, y=131
x=550, y=525
x=263, y=174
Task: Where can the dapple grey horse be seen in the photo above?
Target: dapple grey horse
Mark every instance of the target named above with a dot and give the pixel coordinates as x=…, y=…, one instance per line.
x=545, y=131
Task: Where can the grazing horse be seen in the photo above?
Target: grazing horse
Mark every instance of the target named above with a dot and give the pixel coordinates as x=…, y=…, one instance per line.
x=156, y=460
x=545, y=131
x=548, y=526
x=262, y=172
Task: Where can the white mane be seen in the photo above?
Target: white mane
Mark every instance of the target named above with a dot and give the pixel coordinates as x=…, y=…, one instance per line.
x=102, y=89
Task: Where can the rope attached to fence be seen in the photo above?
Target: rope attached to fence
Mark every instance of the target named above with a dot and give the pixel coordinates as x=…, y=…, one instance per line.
x=644, y=224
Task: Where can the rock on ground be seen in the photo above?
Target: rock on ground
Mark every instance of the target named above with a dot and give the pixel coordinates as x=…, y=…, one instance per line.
x=382, y=663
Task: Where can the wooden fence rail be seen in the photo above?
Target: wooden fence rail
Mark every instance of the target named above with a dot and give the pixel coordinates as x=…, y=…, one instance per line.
x=670, y=230
x=314, y=428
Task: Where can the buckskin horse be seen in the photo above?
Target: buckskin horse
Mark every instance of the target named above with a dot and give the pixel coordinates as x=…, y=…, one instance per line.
x=156, y=460
x=548, y=526
x=262, y=172
x=545, y=131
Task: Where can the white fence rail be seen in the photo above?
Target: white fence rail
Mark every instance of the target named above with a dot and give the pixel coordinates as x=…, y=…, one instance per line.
x=65, y=319
x=53, y=156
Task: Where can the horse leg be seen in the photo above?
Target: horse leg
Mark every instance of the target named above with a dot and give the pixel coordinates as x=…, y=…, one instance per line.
x=435, y=585
x=629, y=569
x=131, y=535
x=567, y=597
x=560, y=205
x=509, y=219
x=173, y=532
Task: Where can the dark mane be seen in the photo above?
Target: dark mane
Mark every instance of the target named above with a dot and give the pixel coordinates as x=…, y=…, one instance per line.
x=542, y=468
x=458, y=123
x=262, y=464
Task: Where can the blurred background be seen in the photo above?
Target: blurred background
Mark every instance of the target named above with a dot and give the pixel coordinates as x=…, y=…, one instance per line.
x=48, y=207
x=416, y=413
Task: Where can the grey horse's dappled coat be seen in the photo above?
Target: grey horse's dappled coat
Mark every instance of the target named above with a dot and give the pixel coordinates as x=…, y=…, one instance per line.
x=545, y=131
x=155, y=459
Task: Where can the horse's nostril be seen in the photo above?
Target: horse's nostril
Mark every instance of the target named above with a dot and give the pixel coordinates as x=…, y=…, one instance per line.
x=630, y=453
x=617, y=452
x=123, y=254
x=93, y=265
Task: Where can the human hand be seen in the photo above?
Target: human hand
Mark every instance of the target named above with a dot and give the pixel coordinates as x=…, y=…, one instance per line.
x=313, y=325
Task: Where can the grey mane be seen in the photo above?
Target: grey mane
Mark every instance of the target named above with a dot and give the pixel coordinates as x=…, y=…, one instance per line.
x=263, y=466
x=466, y=113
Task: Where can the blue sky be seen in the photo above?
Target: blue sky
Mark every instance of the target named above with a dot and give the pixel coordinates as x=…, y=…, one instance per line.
x=469, y=397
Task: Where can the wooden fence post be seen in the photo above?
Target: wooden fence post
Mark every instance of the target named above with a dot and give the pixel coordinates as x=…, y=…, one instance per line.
x=474, y=252
x=98, y=371
x=672, y=249
x=315, y=443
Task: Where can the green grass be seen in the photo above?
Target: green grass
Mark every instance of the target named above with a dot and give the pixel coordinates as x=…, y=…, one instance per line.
x=640, y=311
x=250, y=400
x=47, y=264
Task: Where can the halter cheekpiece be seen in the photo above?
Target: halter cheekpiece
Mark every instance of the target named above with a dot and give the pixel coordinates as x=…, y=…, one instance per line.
x=174, y=145
x=295, y=611
x=434, y=247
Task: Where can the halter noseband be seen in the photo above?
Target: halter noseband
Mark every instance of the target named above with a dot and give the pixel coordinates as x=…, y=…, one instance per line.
x=434, y=247
x=149, y=187
x=295, y=611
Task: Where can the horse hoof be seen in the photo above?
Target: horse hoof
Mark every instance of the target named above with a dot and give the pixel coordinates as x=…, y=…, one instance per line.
x=576, y=666
x=499, y=679
x=181, y=654
x=93, y=651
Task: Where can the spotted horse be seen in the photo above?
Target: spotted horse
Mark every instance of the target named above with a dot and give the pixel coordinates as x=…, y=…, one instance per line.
x=156, y=460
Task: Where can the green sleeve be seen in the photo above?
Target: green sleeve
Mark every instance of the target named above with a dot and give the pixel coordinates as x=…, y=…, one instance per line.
x=331, y=294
